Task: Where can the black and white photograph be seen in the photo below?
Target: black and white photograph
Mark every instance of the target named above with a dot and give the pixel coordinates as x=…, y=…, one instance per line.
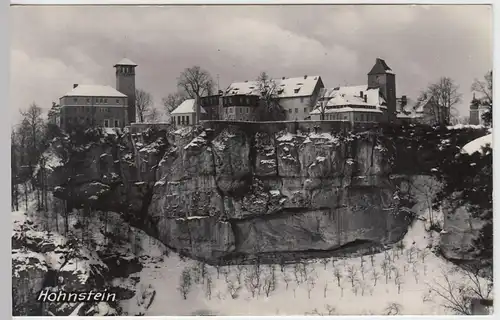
x=251, y=159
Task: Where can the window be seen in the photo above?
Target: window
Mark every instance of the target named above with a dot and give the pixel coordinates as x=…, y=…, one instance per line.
x=296, y=110
x=143, y=167
x=88, y=100
x=187, y=119
x=305, y=110
x=106, y=123
x=178, y=119
x=117, y=123
x=117, y=100
x=301, y=99
x=248, y=100
x=182, y=120
x=75, y=100
x=105, y=100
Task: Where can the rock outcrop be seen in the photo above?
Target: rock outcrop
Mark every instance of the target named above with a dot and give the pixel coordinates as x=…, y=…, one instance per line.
x=236, y=193
x=232, y=191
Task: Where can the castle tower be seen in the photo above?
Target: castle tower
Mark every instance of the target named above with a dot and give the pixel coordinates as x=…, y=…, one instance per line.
x=125, y=83
x=381, y=76
x=474, y=111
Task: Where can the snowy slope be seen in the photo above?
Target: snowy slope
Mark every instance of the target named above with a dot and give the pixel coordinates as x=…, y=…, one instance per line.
x=315, y=291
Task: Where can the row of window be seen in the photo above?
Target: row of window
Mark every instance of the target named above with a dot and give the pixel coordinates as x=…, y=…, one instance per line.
x=245, y=110
x=306, y=110
x=106, y=123
x=357, y=117
x=183, y=120
x=82, y=109
x=351, y=106
x=97, y=101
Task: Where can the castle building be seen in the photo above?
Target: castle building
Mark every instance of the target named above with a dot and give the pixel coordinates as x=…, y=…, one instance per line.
x=297, y=96
x=98, y=105
x=372, y=102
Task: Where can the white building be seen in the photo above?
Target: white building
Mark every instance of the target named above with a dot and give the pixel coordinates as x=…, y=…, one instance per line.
x=297, y=96
x=185, y=113
x=352, y=103
x=93, y=105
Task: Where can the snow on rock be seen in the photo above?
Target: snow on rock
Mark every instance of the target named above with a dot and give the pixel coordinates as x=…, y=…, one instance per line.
x=465, y=126
x=478, y=144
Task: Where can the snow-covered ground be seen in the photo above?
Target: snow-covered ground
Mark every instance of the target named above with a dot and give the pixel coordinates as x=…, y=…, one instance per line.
x=341, y=287
x=478, y=144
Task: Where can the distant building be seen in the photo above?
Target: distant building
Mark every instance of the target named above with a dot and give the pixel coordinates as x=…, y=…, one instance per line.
x=297, y=96
x=353, y=104
x=411, y=111
x=476, y=112
x=97, y=105
x=185, y=113
x=382, y=77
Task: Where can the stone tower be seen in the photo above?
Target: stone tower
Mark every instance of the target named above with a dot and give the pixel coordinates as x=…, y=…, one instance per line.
x=474, y=111
x=125, y=83
x=381, y=76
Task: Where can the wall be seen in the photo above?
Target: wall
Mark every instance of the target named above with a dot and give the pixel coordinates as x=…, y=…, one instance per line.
x=93, y=115
x=289, y=126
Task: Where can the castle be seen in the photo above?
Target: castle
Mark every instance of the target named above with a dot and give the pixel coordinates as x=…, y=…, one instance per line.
x=98, y=105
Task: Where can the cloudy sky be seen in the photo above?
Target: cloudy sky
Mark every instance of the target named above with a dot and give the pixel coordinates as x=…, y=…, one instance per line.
x=54, y=47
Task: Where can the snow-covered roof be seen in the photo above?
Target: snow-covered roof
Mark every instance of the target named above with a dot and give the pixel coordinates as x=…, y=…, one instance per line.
x=188, y=106
x=286, y=88
x=126, y=62
x=88, y=90
x=412, y=109
x=351, y=96
x=478, y=144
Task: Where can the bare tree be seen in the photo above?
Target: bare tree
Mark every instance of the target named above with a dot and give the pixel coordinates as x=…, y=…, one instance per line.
x=233, y=288
x=352, y=273
x=444, y=96
x=271, y=110
x=311, y=282
x=485, y=88
x=143, y=102
x=185, y=283
x=153, y=115
x=173, y=100
x=34, y=125
x=375, y=276
x=337, y=274
x=195, y=82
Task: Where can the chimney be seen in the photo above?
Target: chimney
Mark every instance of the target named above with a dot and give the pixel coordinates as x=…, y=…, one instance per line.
x=404, y=100
x=283, y=78
x=365, y=97
x=75, y=85
x=305, y=77
x=361, y=94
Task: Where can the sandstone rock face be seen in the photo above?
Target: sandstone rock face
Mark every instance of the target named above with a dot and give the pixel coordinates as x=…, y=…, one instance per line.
x=236, y=192
x=460, y=230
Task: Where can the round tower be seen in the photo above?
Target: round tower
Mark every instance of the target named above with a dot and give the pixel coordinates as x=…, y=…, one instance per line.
x=125, y=83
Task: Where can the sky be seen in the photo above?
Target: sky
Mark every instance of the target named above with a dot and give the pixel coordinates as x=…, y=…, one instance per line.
x=53, y=47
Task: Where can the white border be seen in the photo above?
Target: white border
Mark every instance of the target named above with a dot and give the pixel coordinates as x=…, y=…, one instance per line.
x=5, y=167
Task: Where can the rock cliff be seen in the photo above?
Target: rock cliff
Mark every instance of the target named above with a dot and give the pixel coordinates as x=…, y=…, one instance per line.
x=237, y=193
